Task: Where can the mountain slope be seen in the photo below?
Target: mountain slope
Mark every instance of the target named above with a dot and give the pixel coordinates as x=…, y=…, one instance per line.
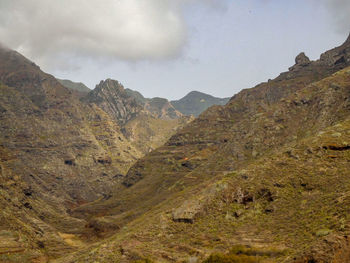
x=60, y=149
x=78, y=86
x=258, y=127
x=195, y=102
x=56, y=153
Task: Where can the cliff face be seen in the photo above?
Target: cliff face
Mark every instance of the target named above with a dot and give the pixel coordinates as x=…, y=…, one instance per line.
x=239, y=170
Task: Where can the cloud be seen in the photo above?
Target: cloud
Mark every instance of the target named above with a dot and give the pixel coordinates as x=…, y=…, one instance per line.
x=340, y=11
x=124, y=29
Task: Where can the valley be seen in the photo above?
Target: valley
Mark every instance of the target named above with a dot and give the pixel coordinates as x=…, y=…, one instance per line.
x=107, y=175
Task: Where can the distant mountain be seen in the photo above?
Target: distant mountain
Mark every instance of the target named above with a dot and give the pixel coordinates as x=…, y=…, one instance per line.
x=125, y=104
x=77, y=86
x=195, y=102
x=111, y=96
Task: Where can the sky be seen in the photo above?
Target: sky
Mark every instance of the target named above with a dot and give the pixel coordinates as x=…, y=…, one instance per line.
x=167, y=48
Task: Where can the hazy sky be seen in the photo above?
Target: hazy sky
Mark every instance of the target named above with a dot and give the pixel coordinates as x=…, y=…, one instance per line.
x=167, y=48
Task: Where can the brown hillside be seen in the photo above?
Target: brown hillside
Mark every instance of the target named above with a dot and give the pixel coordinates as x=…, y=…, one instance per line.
x=258, y=126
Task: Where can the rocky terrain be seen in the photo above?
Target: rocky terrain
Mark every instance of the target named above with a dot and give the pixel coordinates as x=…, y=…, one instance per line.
x=264, y=178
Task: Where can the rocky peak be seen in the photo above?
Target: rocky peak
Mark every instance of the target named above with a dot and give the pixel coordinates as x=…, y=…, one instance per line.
x=111, y=96
x=300, y=61
x=110, y=85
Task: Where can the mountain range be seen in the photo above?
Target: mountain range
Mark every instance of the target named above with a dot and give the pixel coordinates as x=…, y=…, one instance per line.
x=194, y=103
x=110, y=176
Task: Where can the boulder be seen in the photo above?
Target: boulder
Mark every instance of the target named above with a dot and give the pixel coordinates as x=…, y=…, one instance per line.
x=187, y=211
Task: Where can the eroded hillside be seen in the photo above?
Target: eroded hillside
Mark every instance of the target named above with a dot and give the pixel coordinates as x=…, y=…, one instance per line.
x=269, y=170
x=239, y=173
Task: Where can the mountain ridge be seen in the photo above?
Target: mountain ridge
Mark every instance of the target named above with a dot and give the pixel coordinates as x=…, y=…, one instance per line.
x=77, y=86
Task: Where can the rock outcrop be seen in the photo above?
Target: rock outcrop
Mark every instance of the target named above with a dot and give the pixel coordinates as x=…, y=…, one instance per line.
x=300, y=61
x=339, y=56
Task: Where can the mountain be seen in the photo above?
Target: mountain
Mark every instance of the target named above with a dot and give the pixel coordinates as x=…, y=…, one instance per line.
x=57, y=152
x=124, y=104
x=137, y=95
x=146, y=123
x=262, y=179
x=110, y=95
x=162, y=108
x=78, y=86
x=195, y=102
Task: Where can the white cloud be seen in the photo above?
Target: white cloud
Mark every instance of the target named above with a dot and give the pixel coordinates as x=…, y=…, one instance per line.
x=340, y=12
x=124, y=29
